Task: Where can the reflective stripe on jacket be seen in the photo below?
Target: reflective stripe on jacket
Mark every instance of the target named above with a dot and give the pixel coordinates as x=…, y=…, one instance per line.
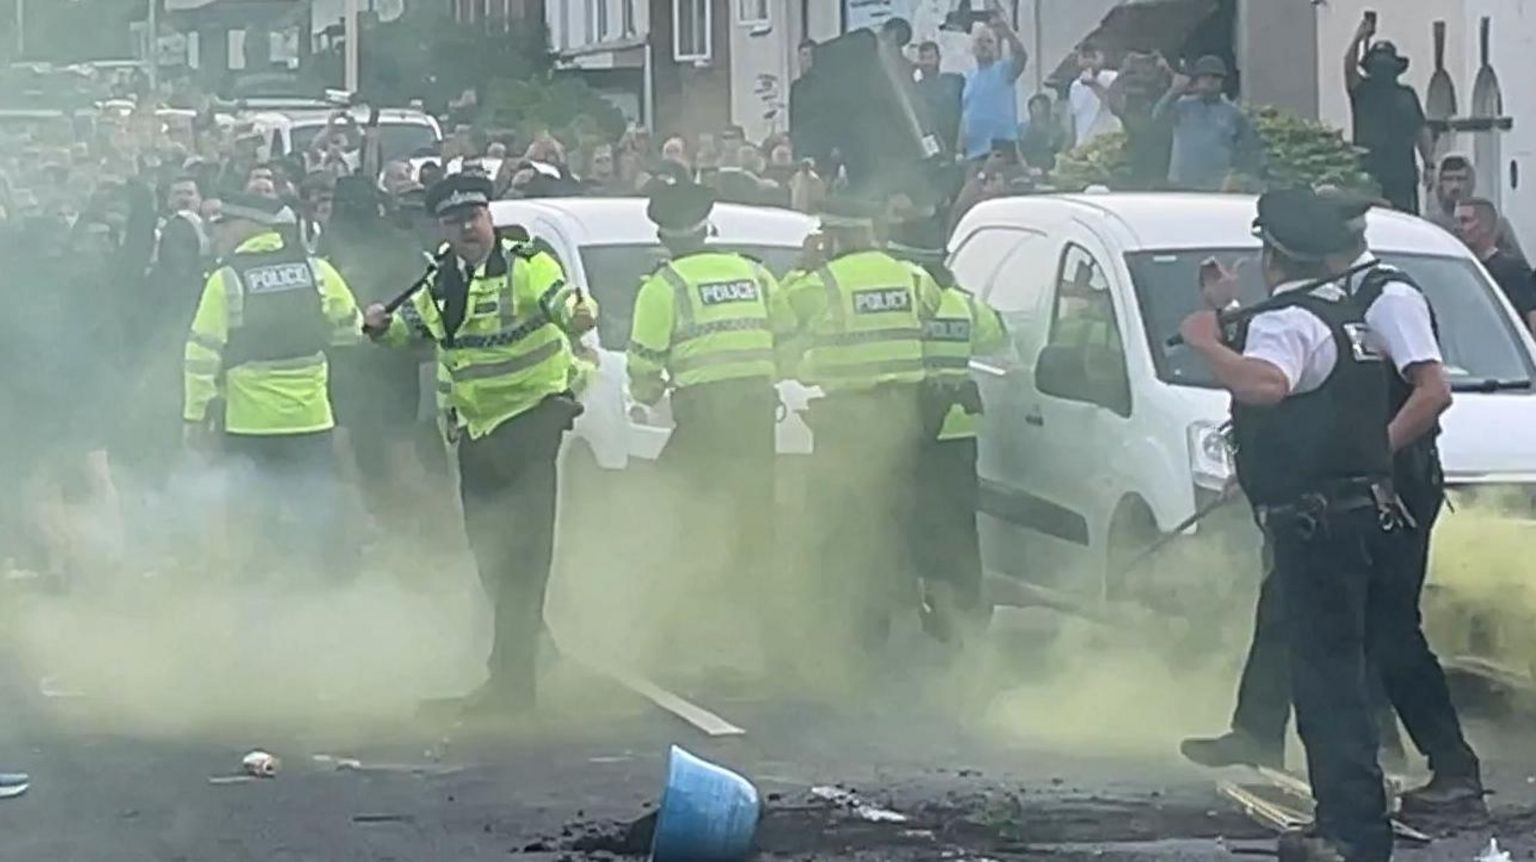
x=267, y=389
x=511, y=352
x=860, y=321
x=703, y=318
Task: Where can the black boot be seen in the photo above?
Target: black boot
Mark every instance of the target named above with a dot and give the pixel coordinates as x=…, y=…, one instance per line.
x=1308, y=846
x=1453, y=795
x=1233, y=749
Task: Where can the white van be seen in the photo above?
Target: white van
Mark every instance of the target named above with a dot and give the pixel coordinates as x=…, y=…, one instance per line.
x=1099, y=437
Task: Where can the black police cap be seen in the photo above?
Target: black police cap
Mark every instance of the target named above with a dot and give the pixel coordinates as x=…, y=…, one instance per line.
x=458, y=191
x=680, y=207
x=1306, y=225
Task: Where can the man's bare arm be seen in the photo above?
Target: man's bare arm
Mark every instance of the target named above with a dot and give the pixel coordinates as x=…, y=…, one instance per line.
x=1431, y=397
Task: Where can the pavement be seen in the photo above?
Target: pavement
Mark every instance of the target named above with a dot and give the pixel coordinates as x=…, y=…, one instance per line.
x=1063, y=759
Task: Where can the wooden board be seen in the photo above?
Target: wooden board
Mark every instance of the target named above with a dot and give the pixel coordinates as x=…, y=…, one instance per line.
x=1299, y=789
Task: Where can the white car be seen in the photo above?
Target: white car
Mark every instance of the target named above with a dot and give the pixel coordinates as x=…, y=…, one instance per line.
x=608, y=246
x=1100, y=438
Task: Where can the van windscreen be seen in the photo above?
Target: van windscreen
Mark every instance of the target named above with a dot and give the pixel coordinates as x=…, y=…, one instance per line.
x=1476, y=335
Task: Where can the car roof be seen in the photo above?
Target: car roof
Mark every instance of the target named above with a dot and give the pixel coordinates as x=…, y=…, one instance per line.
x=1168, y=221
x=622, y=221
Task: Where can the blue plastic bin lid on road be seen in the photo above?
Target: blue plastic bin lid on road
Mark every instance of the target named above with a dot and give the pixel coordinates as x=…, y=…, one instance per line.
x=707, y=814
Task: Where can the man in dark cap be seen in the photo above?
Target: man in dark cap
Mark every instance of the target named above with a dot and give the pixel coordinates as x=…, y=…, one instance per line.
x=260, y=338
x=704, y=329
x=1310, y=416
x=1389, y=120
x=858, y=316
x=502, y=317
x=1212, y=137
x=1402, y=325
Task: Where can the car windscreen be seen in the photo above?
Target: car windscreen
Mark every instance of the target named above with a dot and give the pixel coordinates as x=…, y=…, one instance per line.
x=614, y=273
x=396, y=140
x=1477, y=337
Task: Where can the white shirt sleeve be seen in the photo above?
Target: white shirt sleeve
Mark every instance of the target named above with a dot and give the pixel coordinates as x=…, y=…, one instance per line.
x=1400, y=326
x=1295, y=341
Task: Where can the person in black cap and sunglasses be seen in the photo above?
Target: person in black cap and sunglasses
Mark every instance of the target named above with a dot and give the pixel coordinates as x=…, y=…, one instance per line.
x=1310, y=415
x=1389, y=119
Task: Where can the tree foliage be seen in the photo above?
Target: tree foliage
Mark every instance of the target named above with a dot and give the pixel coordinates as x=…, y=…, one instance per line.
x=566, y=107
x=1298, y=152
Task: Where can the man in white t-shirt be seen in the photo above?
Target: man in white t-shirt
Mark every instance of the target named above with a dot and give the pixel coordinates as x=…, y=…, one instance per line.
x=1089, y=96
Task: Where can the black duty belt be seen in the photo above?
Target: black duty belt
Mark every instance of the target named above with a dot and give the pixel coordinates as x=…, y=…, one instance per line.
x=1311, y=512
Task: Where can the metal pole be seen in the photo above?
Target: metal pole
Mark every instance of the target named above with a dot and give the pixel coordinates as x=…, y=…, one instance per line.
x=154, y=48
x=350, y=27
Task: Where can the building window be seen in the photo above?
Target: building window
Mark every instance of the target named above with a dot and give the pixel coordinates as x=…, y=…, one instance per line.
x=691, y=30
x=754, y=12
x=602, y=20
x=629, y=17
x=594, y=32
x=565, y=25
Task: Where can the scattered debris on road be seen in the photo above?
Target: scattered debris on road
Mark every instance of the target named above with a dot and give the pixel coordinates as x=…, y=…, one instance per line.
x=849, y=799
x=352, y=764
x=1492, y=853
x=261, y=764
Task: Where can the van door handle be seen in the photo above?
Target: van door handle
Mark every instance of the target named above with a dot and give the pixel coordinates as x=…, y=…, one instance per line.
x=1034, y=418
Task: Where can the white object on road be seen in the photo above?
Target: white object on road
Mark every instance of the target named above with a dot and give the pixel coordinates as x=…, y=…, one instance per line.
x=261, y=764
x=1492, y=853
x=850, y=799
x=14, y=784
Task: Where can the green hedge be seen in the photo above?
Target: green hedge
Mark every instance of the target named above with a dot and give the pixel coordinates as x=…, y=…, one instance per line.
x=1298, y=152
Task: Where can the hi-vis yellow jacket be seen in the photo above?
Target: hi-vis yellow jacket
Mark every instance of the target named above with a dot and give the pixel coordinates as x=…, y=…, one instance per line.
x=859, y=322
x=259, y=338
x=964, y=327
x=704, y=318
x=512, y=350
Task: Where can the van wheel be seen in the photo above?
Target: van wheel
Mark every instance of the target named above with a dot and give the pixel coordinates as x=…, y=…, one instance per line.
x=1131, y=531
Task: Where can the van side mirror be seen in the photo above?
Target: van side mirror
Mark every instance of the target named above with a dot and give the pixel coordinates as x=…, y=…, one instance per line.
x=1062, y=371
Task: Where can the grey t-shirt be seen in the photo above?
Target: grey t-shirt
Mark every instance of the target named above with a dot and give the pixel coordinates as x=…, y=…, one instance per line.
x=1210, y=140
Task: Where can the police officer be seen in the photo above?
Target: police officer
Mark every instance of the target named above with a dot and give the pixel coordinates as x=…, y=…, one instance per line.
x=858, y=314
x=501, y=316
x=703, y=328
x=267, y=316
x=944, y=541
x=1310, y=418
x=1402, y=325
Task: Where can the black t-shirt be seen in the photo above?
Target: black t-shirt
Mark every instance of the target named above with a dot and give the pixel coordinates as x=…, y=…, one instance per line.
x=1515, y=279
x=1388, y=119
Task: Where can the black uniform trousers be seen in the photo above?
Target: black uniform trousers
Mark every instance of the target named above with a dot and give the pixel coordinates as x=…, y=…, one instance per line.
x=508, y=482
x=1332, y=593
x=867, y=445
x=943, y=540
x=285, y=495
x=722, y=456
x=1405, y=672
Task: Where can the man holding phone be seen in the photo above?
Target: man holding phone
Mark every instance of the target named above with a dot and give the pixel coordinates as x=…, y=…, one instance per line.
x=1389, y=119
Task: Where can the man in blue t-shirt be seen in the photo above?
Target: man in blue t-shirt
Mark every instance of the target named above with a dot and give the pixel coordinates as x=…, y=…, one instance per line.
x=991, y=109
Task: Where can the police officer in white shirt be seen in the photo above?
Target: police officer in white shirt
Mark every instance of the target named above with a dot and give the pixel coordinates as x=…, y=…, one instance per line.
x=1310, y=415
x=1402, y=328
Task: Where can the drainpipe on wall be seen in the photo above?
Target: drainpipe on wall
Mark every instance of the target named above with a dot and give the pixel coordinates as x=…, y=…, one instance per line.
x=648, y=89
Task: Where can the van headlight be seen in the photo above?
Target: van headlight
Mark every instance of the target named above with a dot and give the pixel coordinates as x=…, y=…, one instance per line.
x=1210, y=455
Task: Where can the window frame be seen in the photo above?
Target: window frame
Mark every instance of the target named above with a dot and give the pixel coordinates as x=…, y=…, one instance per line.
x=705, y=34
x=744, y=19
x=1089, y=395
